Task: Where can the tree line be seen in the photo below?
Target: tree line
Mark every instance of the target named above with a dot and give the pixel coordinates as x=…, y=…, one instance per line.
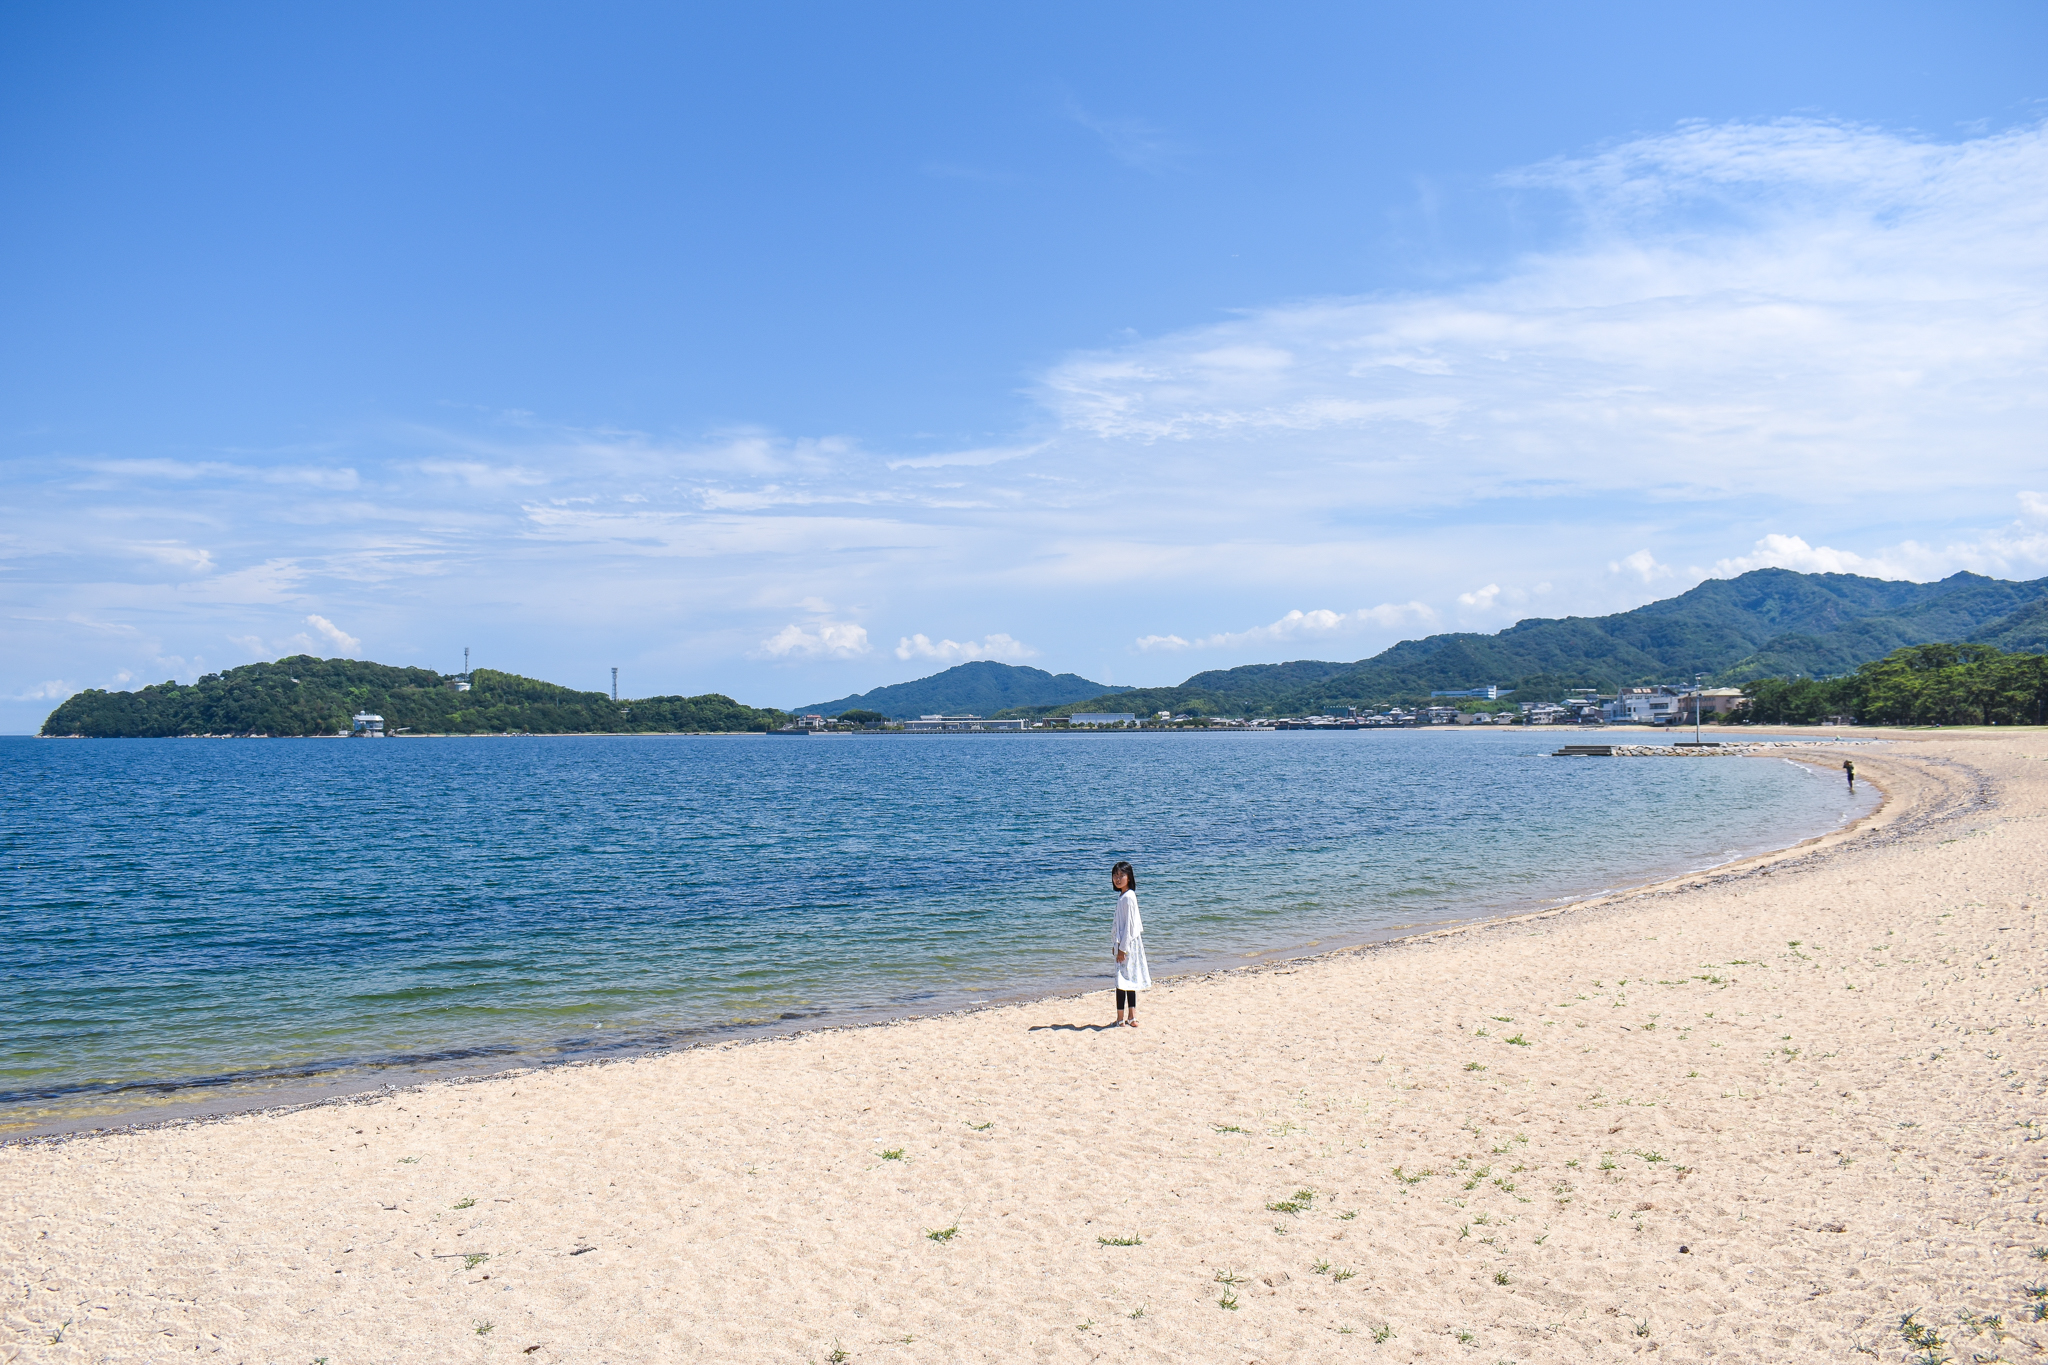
x=308, y=696
x=1938, y=684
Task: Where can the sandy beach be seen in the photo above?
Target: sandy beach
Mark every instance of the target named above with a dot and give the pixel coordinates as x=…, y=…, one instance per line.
x=1754, y=1115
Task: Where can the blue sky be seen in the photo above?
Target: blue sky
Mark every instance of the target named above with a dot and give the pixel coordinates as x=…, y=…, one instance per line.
x=789, y=352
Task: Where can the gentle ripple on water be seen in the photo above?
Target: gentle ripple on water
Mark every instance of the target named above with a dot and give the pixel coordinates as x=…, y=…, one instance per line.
x=186, y=916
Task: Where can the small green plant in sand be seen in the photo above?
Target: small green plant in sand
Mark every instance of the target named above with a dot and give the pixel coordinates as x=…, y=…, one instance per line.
x=1415, y=1179
x=1474, y=1066
x=1298, y=1202
x=837, y=1355
x=1340, y=1275
x=943, y=1234
x=1381, y=1333
x=1465, y=1337
x=1642, y=1327
x=1228, y=1300
x=1229, y=1279
x=1121, y=1241
x=1977, y=1324
x=407, y=1160
x=1227, y=1128
x=1606, y=1163
x=463, y=1204
x=1500, y=1277
x=475, y=1259
x=982, y=1127
x=892, y=1154
x=2039, y=1253
x=483, y=1326
x=1348, y=1215
x=1137, y=1312
x=1923, y=1339
x=57, y=1338
x=1519, y=1041
x=1319, y=1268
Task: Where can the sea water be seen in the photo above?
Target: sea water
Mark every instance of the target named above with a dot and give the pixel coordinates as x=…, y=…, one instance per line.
x=199, y=922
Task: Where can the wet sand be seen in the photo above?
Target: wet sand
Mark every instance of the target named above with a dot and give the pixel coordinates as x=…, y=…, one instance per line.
x=1756, y=1114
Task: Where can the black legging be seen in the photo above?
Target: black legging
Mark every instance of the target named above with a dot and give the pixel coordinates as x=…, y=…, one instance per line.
x=1126, y=1000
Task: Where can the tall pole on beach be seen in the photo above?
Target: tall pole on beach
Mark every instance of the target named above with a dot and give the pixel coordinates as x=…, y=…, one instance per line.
x=1698, y=697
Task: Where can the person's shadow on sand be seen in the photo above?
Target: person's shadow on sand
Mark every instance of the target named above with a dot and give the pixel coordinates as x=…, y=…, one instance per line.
x=1068, y=1028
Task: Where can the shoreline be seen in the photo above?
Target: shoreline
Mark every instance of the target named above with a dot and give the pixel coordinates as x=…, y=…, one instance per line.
x=370, y=1080
x=1153, y=729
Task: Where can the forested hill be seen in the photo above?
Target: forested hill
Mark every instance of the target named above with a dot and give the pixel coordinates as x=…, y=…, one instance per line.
x=1766, y=623
x=308, y=696
x=981, y=688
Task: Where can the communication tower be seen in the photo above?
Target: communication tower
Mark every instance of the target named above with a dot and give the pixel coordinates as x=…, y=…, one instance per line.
x=615, y=684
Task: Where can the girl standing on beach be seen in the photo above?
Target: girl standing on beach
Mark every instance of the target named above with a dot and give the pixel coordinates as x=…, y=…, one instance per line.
x=1127, y=937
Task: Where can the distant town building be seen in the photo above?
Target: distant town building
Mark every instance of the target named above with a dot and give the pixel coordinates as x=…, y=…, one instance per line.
x=368, y=726
x=1488, y=693
x=1647, y=705
x=934, y=725
x=1101, y=718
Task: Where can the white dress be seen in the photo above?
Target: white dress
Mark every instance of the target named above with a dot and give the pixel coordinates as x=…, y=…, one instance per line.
x=1128, y=938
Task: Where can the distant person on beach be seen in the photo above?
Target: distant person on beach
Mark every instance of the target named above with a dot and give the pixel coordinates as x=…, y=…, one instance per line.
x=1127, y=937
x=1849, y=767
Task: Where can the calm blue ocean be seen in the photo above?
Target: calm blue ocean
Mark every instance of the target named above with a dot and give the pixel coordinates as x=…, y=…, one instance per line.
x=183, y=920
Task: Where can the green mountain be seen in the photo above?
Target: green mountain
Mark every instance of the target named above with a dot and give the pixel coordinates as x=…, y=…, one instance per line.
x=2023, y=632
x=981, y=688
x=307, y=696
x=1769, y=622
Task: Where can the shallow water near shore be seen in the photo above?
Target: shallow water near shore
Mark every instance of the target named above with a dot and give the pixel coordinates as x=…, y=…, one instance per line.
x=189, y=921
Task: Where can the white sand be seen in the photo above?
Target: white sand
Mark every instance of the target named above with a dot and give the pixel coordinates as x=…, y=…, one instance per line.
x=1754, y=1116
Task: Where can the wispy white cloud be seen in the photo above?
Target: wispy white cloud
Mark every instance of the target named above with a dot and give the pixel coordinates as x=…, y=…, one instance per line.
x=53, y=690
x=1299, y=626
x=1133, y=141
x=1803, y=308
x=992, y=646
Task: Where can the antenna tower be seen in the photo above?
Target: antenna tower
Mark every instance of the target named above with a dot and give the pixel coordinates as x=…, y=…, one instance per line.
x=465, y=663
x=615, y=684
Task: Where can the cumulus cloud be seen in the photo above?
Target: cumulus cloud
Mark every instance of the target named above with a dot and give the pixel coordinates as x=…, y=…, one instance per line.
x=335, y=635
x=1792, y=552
x=1643, y=565
x=992, y=646
x=53, y=690
x=822, y=640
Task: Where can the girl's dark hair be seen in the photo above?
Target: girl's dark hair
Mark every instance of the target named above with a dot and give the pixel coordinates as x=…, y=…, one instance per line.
x=1129, y=872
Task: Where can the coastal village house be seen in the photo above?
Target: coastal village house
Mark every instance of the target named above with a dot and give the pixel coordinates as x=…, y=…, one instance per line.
x=932, y=725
